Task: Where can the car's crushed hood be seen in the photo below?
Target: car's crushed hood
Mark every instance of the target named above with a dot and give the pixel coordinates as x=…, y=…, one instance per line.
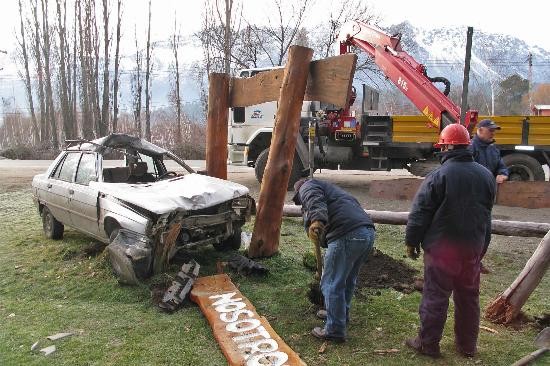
x=189, y=192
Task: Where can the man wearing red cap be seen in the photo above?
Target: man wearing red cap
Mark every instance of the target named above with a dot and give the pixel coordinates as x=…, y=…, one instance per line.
x=450, y=219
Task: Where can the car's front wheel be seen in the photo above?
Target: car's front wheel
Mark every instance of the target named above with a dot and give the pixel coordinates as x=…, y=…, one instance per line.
x=233, y=242
x=53, y=229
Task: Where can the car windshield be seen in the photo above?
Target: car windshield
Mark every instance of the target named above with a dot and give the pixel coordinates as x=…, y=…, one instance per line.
x=140, y=167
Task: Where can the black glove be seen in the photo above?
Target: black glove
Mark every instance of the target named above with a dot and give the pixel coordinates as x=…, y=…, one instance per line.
x=413, y=251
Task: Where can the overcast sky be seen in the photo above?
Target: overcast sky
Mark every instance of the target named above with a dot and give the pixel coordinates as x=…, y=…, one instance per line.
x=527, y=19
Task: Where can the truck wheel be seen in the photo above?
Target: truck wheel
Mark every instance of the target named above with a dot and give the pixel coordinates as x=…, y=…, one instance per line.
x=295, y=174
x=423, y=167
x=231, y=243
x=523, y=168
x=53, y=229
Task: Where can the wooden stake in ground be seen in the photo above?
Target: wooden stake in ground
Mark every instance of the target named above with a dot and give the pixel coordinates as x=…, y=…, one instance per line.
x=507, y=306
x=265, y=237
x=216, y=127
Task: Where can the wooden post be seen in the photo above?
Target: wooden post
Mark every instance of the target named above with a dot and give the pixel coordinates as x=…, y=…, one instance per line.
x=507, y=306
x=216, y=127
x=269, y=215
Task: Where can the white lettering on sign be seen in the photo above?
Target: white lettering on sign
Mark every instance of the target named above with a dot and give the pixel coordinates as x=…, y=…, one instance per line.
x=402, y=83
x=257, y=348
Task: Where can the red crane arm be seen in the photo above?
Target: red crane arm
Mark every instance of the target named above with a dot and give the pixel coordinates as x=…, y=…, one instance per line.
x=403, y=70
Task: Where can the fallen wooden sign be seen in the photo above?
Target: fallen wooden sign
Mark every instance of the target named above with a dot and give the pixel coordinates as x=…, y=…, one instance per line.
x=245, y=338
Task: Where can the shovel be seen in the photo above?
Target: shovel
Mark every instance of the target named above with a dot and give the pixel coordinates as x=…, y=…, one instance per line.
x=542, y=341
x=315, y=295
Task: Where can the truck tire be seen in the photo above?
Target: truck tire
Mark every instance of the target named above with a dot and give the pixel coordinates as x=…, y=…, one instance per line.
x=53, y=229
x=422, y=168
x=295, y=174
x=523, y=167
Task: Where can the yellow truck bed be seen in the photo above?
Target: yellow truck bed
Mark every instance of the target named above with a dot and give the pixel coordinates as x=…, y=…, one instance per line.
x=417, y=129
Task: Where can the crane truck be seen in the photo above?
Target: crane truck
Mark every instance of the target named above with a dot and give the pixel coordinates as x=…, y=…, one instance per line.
x=374, y=142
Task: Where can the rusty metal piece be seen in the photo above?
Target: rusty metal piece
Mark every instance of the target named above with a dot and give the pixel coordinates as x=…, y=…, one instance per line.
x=180, y=288
x=244, y=337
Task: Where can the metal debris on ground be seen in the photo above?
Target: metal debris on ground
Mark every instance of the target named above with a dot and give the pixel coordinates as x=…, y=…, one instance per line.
x=58, y=336
x=490, y=330
x=48, y=350
x=246, y=266
x=180, y=288
x=34, y=345
x=385, y=351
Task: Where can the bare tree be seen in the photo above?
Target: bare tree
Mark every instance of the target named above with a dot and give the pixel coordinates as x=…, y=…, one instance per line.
x=117, y=62
x=147, y=81
x=46, y=50
x=276, y=38
x=104, y=124
x=136, y=85
x=27, y=79
x=87, y=116
x=68, y=127
x=327, y=31
x=177, y=100
x=44, y=130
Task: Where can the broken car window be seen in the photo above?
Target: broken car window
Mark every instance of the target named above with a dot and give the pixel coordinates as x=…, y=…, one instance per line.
x=69, y=166
x=86, y=169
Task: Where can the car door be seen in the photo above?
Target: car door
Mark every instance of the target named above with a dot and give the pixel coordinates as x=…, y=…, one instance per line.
x=59, y=187
x=83, y=199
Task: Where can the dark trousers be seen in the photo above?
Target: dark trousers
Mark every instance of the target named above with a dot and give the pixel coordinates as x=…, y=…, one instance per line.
x=449, y=270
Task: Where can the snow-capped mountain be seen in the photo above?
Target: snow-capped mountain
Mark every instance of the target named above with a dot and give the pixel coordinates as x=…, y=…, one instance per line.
x=494, y=56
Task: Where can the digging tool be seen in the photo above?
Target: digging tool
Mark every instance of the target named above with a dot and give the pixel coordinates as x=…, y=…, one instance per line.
x=543, y=342
x=315, y=295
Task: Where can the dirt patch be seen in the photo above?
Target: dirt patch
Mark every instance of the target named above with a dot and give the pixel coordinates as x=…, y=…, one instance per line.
x=382, y=271
x=91, y=249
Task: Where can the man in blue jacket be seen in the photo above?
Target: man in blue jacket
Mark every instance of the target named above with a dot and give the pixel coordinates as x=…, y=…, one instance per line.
x=330, y=212
x=486, y=153
x=451, y=219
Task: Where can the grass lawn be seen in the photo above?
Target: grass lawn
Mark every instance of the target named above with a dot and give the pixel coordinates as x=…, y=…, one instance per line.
x=50, y=286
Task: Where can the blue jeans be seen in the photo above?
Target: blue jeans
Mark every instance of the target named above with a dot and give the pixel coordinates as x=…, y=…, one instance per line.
x=343, y=259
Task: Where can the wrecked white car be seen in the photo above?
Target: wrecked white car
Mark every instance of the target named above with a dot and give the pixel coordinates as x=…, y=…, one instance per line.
x=143, y=209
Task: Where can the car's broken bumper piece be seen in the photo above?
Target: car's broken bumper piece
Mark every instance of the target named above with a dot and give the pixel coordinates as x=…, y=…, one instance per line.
x=131, y=256
x=181, y=286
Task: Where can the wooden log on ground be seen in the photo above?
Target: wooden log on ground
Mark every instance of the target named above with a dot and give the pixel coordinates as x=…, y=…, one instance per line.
x=507, y=306
x=499, y=227
x=216, y=126
x=269, y=215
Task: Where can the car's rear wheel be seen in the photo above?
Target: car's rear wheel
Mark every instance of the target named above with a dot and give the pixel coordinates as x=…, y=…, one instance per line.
x=53, y=229
x=233, y=242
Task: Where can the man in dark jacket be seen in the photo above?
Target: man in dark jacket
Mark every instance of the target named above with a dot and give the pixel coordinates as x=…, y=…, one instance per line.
x=451, y=219
x=486, y=153
x=330, y=212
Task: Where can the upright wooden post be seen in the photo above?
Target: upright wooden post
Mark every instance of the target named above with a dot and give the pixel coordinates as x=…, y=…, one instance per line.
x=216, y=127
x=269, y=215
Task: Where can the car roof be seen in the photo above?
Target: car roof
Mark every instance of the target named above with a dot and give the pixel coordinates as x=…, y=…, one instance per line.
x=118, y=141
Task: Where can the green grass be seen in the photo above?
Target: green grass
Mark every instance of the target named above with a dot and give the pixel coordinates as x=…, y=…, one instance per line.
x=51, y=286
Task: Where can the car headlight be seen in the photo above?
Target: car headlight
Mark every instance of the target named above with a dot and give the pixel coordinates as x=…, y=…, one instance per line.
x=240, y=202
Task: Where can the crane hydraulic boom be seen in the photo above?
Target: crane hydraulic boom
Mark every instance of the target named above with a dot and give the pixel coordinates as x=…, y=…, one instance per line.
x=405, y=72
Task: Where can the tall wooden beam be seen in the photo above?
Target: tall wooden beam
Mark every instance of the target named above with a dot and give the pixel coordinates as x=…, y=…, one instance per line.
x=216, y=127
x=267, y=227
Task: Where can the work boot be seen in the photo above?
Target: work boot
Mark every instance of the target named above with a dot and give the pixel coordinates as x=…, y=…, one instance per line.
x=483, y=269
x=321, y=314
x=464, y=353
x=321, y=333
x=431, y=350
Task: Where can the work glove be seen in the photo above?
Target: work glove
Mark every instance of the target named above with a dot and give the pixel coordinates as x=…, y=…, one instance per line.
x=413, y=252
x=316, y=231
